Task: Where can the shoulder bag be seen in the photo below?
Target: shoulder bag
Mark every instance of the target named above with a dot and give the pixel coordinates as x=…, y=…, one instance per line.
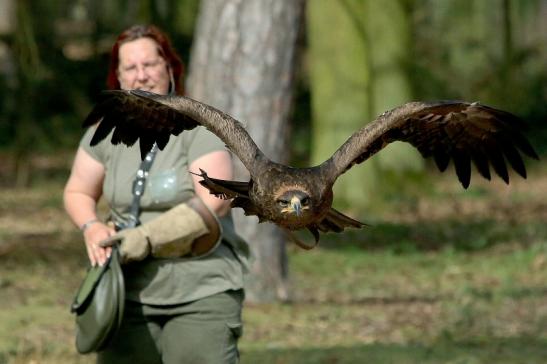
x=99, y=302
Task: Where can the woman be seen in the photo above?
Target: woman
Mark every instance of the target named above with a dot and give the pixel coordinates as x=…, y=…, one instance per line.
x=178, y=309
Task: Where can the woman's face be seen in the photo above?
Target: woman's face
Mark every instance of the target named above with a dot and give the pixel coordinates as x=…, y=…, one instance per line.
x=142, y=67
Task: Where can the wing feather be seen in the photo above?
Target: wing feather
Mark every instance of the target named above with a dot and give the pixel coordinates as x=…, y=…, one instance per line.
x=442, y=160
x=481, y=162
x=151, y=118
x=514, y=159
x=462, y=165
x=447, y=130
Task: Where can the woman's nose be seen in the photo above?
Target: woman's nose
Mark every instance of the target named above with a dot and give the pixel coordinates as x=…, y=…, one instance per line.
x=142, y=73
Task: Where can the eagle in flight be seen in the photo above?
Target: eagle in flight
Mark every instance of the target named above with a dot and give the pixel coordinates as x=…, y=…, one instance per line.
x=301, y=198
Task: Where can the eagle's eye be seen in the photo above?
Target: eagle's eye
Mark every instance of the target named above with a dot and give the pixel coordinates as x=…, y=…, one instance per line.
x=283, y=203
x=305, y=201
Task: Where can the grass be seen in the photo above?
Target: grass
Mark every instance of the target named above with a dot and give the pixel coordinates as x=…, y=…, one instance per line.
x=445, y=277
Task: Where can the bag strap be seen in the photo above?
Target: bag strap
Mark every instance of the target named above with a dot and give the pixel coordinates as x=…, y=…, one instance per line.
x=138, y=187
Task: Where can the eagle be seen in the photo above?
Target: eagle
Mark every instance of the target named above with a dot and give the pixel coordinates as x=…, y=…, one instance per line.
x=301, y=198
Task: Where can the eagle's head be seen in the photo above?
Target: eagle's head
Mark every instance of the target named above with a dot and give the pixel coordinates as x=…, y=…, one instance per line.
x=294, y=203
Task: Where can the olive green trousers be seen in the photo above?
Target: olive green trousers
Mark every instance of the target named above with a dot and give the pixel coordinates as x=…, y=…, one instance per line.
x=204, y=331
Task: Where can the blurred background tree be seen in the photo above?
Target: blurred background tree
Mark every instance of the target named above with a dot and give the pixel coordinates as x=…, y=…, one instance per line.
x=359, y=55
x=243, y=62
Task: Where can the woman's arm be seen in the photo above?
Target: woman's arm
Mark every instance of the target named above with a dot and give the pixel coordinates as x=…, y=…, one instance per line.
x=81, y=193
x=217, y=164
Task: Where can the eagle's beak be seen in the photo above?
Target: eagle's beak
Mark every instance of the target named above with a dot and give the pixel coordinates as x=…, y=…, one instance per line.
x=296, y=205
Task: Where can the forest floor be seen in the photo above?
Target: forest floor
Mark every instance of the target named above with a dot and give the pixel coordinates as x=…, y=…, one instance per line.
x=448, y=276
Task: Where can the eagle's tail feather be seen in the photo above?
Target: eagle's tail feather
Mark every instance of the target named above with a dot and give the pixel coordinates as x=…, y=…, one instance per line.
x=222, y=188
x=334, y=221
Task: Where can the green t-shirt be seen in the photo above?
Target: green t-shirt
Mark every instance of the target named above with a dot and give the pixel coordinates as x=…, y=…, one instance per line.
x=169, y=281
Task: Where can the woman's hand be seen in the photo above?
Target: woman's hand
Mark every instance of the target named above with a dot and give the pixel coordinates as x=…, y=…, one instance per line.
x=93, y=235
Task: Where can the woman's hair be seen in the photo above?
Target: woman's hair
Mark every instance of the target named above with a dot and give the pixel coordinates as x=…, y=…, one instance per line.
x=165, y=49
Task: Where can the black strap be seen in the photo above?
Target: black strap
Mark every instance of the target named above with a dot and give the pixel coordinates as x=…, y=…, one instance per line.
x=138, y=187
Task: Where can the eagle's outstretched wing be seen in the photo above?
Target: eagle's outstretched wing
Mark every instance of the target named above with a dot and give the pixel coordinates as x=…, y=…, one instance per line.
x=446, y=130
x=152, y=118
x=135, y=118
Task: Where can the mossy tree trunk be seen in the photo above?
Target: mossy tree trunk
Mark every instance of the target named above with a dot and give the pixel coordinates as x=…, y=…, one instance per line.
x=340, y=86
x=358, y=68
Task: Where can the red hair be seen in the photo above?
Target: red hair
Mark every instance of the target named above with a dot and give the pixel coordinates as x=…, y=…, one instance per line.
x=165, y=49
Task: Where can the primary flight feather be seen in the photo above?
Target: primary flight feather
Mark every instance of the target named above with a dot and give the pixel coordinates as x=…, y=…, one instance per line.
x=298, y=198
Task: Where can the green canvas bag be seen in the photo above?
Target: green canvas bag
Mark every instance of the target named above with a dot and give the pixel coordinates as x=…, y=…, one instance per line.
x=99, y=305
x=100, y=300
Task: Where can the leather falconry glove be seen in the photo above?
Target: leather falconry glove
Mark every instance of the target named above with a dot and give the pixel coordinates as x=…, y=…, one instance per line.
x=189, y=229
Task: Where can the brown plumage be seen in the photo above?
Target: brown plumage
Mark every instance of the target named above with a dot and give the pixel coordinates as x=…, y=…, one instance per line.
x=297, y=198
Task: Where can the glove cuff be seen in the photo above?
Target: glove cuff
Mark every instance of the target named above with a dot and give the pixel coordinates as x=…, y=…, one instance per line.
x=189, y=229
x=207, y=242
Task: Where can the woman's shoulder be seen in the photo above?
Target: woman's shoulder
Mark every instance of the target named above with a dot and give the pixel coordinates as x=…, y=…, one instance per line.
x=98, y=151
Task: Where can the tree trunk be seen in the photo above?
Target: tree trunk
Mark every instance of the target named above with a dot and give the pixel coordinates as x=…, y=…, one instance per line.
x=29, y=72
x=7, y=17
x=358, y=51
x=340, y=84
x=389, y=26
x=242, y=62
x=8, y=71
